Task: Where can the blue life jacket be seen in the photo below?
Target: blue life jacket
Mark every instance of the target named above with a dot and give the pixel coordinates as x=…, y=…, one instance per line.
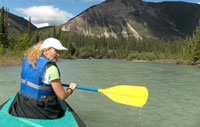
x=31, y=79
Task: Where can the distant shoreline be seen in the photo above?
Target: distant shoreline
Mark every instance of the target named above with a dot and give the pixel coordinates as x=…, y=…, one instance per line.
x=13, y=61
x=6, y=61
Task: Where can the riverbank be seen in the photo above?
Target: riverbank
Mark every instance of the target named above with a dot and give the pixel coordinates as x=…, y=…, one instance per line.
x=167, y=61
x=14, y=60
x=10, y=61
x=11, y=58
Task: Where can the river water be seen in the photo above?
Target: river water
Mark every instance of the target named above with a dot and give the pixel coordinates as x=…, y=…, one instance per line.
x=174, y=92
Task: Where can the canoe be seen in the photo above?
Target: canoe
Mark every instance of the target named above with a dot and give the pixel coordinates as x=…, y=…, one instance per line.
x=71, y=119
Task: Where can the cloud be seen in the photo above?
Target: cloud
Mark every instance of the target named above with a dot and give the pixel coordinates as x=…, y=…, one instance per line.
x=45, y=15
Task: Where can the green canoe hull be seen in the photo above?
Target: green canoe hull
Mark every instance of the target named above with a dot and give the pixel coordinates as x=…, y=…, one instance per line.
x=70, y=119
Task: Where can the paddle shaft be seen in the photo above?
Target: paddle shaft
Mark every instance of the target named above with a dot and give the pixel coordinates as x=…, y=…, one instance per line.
x=82, y=88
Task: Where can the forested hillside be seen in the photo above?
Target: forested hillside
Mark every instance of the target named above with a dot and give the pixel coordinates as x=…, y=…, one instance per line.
x=180, y=51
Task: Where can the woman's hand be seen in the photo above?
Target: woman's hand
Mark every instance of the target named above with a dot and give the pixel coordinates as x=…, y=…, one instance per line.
x=72, y=86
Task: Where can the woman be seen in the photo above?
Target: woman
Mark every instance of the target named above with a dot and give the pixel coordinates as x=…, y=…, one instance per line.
x=40, y=83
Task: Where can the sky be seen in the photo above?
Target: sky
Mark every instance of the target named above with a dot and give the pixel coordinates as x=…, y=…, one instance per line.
x=55, y=12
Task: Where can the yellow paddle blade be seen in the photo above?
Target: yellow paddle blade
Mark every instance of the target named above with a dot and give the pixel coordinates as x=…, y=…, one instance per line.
x=129, y=95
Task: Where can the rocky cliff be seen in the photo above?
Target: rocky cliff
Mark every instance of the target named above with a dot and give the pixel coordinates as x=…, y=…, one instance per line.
x=136, y=18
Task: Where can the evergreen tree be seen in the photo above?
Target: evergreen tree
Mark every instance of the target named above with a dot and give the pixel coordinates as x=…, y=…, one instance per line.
x=54, y=32
x=58, y=36
x=6, y=43
x=196, y=41
x=4, y=28
x=22, y=43
x=187, y=48
x=71, y=48
x=37, y=37
x=26, y=42
x=29, y=29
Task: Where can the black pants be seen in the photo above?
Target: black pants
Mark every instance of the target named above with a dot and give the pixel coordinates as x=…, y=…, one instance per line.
x=23, y=106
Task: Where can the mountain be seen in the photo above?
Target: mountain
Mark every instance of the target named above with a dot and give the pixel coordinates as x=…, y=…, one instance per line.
x=18, y=24
x=136, y=18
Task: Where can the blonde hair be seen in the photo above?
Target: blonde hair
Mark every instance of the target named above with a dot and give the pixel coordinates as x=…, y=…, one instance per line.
x=33, y=53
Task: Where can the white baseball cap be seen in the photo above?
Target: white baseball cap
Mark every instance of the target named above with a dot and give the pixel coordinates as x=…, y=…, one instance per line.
x=52, y=42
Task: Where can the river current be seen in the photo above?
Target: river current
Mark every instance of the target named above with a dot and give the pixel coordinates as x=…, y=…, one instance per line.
x=174, y=92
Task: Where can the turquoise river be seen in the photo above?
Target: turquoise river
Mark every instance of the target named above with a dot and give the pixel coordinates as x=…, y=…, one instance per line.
x=174, y=92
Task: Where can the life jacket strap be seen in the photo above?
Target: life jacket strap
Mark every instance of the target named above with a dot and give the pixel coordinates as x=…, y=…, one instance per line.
x=35, y=85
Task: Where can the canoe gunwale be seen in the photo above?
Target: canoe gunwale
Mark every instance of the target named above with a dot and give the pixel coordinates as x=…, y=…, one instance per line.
x=78, y=119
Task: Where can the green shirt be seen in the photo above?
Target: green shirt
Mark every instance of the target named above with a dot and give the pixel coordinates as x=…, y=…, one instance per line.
x=52, y=72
